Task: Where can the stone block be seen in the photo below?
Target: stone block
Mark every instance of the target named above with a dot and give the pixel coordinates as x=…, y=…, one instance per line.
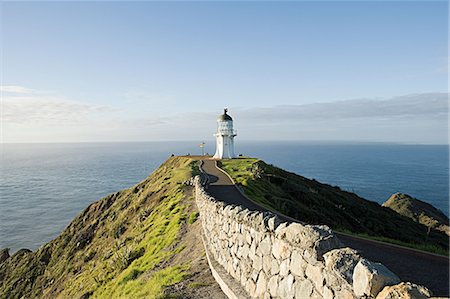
x=258, y=263
x=252, y=252
x=298, y=264
x=327, y=293
x=293, y=232
x=250, y=287
x=314, y=273
x=404, y=290
x=280, y=249
x=327, y=240
x=265, y=246
x=245, y=249
x=274, y=267
x=267, y=263
x=272, y=223
x=344, y=294
x=342, y=261
x=370, y=278
x=286, y=287
x=248, y=237
x=261, y=284
x=280, y=230
x=254, y=275
x=284, y=267
x=273, y=286
x=303, y=289
x=244, y=278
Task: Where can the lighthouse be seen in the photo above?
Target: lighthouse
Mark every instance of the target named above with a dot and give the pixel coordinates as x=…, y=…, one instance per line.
x=225, y=137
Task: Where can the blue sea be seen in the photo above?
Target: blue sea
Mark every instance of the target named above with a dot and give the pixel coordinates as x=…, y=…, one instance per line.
x=44, y=186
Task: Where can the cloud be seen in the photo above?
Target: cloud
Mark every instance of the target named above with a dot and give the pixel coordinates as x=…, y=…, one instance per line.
x=414, y=105
x=16, y=89
x=41, y=109
x=417, y=118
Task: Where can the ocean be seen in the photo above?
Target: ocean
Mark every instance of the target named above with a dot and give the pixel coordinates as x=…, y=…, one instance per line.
x=44, y=186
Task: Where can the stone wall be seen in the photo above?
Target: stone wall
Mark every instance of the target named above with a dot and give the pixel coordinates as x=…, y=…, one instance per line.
x=275, y=259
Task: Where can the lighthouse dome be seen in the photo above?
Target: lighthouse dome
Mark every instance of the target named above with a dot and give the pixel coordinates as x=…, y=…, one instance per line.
x=225, y=116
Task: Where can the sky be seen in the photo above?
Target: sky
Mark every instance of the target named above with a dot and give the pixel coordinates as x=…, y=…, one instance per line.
x=149, y=71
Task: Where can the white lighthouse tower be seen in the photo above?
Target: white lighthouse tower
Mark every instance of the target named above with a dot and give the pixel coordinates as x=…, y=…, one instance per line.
x=225, y=137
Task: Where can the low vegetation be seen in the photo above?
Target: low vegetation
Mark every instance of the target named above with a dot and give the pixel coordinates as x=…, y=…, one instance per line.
x=316, y=203
x=127, y=245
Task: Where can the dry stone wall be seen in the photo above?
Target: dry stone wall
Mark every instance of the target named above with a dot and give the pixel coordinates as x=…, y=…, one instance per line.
x=275, y=259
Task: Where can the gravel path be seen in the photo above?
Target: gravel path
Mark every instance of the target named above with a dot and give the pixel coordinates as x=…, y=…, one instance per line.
x=411, y=265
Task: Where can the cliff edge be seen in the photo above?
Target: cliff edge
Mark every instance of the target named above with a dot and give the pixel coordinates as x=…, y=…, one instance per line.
x=142, y=242
x=419, y=211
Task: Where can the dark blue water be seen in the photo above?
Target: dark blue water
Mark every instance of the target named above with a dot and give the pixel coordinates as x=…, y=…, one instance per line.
x=44, y=186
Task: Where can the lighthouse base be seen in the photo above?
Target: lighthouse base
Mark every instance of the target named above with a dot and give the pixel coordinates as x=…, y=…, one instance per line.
x=224, y=147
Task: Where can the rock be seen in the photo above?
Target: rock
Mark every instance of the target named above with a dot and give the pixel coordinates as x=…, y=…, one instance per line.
x=265, y=246
x=404, y=290
x=273, y=286
x=326, y=242
x=250, y=287
x=244, y=251
x=342, y=261
x=297, y=264
x=252, y=252
x=344, y=294
x=280, y=249
x=294, y=232
x=370, y=278
x=273, y=222
x=4, y=255
x=280, y=230
x=254, y=275
x=286, y=287
x=314, y=273
x=267, y=263
x=327, y=293
x=284, y=267
x=261, y=284
x=274, y=267
x=258, y=263
x=303, y=289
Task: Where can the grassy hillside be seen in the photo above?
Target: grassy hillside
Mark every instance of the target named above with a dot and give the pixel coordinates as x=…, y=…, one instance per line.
x=316, y=203
x=419, y=211
x=136, y=243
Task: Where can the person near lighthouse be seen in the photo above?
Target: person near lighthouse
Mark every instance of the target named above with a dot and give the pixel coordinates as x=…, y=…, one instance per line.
x=225, y=137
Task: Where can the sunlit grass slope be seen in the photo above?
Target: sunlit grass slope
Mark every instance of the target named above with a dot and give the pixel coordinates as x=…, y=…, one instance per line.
x=121, y=246
x=316, y=203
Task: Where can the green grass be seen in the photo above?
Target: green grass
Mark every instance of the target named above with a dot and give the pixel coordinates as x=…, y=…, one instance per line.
x=160, y=231
x=316, y=203
x=119, y=247
x=423, y=247
x=193, y=217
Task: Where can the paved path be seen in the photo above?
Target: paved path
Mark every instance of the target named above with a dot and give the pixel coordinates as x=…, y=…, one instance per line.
x=411, y=265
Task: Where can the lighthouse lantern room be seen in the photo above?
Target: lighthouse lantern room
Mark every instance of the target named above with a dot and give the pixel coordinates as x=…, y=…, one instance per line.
x=225, y=137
